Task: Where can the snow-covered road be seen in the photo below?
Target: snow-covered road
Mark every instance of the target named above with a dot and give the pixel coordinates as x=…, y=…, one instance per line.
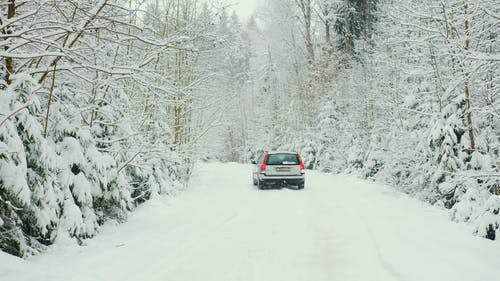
x=223, y=228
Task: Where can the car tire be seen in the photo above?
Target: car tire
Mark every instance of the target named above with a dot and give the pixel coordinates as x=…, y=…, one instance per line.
x=259, y=185
x=254, y=181
x=301, y=186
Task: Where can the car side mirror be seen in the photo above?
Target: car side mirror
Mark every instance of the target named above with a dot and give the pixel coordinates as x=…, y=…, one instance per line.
x=254, y=162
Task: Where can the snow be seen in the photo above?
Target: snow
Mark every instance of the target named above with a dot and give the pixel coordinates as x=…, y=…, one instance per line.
x=223, y=228
x=72, y=217
x=82, y=189
x=72, y=152
x=12, y=177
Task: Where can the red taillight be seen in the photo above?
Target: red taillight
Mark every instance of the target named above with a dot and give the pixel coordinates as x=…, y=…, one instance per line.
x=301, y=164
x=264, y=165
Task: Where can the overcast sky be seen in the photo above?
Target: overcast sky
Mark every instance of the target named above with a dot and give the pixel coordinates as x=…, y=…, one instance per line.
x=245, y=8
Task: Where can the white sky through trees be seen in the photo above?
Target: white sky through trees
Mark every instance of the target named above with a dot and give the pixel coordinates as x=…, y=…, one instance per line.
x=245, y=8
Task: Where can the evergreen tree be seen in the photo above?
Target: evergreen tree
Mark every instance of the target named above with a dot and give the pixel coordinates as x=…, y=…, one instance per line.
x=356, y=22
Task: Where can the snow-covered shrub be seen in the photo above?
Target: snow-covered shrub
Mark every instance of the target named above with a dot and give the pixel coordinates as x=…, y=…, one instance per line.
x=78, y=188
x=331, y=139
x=487, y=223
x=445, y=150
x=477, y=205
x=14, y=191
x=28, y=185
x=355, y=158
x=308, y=151
x=43, y=218
x=375, y=157
x=469, y=197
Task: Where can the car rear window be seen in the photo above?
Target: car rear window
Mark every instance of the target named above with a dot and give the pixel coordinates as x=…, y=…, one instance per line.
x=282, y=159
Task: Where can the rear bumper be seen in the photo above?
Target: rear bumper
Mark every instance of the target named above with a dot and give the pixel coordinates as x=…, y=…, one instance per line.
x=281, y=180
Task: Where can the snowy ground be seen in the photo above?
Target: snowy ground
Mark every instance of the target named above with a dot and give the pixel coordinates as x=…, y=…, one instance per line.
x=223, y=228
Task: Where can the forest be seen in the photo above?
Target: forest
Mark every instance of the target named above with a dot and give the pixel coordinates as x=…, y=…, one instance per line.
x=105, y=104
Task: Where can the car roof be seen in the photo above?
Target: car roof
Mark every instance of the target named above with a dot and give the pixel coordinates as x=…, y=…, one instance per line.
x=281, y=152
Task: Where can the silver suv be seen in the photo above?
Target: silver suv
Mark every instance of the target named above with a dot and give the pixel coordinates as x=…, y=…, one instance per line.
x=280, y=169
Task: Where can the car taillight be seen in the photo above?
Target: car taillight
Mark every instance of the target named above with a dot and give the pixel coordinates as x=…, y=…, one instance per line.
x=301, y=164
x=264, y=165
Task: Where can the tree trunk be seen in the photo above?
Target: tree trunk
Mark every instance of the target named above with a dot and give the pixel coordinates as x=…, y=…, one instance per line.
x=178, y=104
x=305, y=9
x=466, y=86
x=327, y=32
x=309, y=43
x=49, y=103
x=368, y=19
x=9, y=61
x=347, y=28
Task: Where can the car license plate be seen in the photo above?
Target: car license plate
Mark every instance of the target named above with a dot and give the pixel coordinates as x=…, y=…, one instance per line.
x=282, y=169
